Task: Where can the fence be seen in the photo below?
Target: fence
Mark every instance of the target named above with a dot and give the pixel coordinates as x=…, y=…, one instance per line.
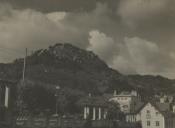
x=57, y=122
x=48, y=122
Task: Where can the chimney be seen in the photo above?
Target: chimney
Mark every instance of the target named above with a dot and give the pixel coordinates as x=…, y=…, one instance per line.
x=170, y=99
x=162, y=99
x=115, y=92
x=134, y=93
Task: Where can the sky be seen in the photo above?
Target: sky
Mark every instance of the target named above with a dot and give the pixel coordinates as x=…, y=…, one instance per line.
x=131, y=36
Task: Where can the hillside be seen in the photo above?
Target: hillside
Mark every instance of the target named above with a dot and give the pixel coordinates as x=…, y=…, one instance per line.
x=78, y=72
x=69, y=66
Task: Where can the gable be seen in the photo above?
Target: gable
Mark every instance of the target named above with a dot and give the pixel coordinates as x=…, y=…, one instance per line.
x=152, y=109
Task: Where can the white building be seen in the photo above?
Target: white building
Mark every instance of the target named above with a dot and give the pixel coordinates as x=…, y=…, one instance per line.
x=126, y=100
x=156, y=115
x=94, y=108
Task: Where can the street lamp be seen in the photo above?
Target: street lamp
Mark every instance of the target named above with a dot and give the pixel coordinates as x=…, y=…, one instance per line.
x=56, y=95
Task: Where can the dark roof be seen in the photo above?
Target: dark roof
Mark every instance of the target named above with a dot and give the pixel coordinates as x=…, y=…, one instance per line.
x=168, y=114
x=137, y=107
x=108, y=96
x=163, y=108
x=93, y=101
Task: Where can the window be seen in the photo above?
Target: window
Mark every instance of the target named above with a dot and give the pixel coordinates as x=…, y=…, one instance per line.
x=148, y=111
x=157, y=123
x=148, y=123
x=125, y=106
x=148, y=114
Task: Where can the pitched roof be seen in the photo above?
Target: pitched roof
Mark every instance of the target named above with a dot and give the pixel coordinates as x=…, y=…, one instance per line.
x=163, y=108
x=136, y=109
x=168, y=114
x=107, y=96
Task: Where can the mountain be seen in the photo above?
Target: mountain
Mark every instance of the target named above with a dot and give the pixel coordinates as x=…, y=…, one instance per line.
x=77, y=72
x=71, y=67
x=153, y=84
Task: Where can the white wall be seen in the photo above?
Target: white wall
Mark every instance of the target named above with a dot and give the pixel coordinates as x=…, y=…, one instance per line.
x=133, y=117
x=152, y=116
x=123, y=101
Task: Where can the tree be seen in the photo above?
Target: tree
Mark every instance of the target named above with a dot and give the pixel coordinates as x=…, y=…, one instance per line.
x=114, y=112
x=38, y=98
x=67, y=101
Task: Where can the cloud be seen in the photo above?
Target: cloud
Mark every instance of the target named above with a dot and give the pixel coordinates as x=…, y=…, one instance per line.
x=143, y=57
x=102, y=45
x=26, y=28
x=141, y=51
x=149, y=19
x=56, y=16
x=139, y=38
x=59, y=5
x=33, y=29
x=135, y=11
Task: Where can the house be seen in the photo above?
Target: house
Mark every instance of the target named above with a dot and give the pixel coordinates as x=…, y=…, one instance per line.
x=157, y=115
x=126, y=100
x=94, y=108
x=152, y=115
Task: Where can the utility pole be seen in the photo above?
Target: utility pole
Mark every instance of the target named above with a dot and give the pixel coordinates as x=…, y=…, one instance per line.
x=56, y=95
x=56, y=106
x=20, y=98
x=24, y=67
x=20, y=87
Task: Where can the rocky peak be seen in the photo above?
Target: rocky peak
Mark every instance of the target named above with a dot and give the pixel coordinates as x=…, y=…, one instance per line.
x=67, y=54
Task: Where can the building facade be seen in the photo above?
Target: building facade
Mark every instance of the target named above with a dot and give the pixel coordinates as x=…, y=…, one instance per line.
x=126, y=100
x=151, y=117
x=95, y=112
x=157, y=116
x=94, y=108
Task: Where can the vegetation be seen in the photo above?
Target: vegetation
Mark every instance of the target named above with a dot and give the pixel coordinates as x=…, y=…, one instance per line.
x=37, y=99
x=78, y=72
x=114, y=112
